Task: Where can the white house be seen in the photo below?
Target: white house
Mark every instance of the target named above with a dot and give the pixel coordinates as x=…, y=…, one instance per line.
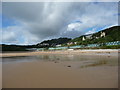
x=70, y=43
x=58, y=45
x=75, y=42
x=83, y=38
x=44, y=44
x=97, y=37
x=102, y=34
x=89, y=36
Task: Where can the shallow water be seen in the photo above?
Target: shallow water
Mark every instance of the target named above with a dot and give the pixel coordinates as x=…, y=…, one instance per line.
x=84, y=59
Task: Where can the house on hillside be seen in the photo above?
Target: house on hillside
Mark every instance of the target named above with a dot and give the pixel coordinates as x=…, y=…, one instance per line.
x=89, y=36
x=102, y=34
x=97, y=37
x=83, y=39
x=58, y=45
x=70, y=43
x=75, y=42
x=44, y=44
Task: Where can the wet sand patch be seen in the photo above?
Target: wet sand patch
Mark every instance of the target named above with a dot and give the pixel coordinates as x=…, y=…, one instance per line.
x=60, y=71
x=51, y=75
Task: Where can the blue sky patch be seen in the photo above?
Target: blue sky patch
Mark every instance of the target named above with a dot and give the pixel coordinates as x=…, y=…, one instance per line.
x=7, y=22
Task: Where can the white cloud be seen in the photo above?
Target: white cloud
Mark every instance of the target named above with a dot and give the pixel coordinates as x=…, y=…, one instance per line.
x=60, y=0
x=9, y=35
x=91, y=31
x=44, y=20
x=73, y=26
x=17, y=35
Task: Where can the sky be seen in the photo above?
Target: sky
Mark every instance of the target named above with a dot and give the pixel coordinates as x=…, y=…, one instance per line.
x=27, y=23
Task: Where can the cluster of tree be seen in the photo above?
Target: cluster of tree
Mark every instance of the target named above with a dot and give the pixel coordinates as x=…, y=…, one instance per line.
x=13, y=48
x=53, y=42
x=5, y=47
x=44, y=44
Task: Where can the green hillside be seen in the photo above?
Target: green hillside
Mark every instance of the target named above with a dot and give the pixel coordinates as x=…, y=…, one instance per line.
x=109, y=35
x=53, y=42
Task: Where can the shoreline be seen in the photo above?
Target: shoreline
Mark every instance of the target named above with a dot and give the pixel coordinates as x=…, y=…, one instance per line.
x=80, y=52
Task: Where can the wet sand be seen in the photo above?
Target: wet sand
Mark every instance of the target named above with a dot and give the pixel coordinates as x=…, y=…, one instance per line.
x=61, y=71
x=51, y=75
x=0, y=74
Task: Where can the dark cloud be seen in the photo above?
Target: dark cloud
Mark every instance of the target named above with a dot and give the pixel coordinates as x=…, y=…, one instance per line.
x=44, y=20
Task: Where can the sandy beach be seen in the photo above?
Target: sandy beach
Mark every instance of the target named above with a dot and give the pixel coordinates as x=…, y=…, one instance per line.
x=81, y=52
x=61, y=69
x=0, y=74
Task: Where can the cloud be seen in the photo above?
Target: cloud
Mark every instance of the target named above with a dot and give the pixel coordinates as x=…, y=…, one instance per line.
x=44, y=20
x=73, y=26
x=91, y=31
x=9, y=35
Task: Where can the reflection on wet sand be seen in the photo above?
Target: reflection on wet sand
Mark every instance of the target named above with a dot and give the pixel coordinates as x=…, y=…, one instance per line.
x=60, y=71
x=0, y=73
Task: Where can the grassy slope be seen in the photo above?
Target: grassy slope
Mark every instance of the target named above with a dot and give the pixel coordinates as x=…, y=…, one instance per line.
x=112, y=34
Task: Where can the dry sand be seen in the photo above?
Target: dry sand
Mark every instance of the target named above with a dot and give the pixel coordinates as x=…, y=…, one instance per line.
x=47, y=74
x=82, y=52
